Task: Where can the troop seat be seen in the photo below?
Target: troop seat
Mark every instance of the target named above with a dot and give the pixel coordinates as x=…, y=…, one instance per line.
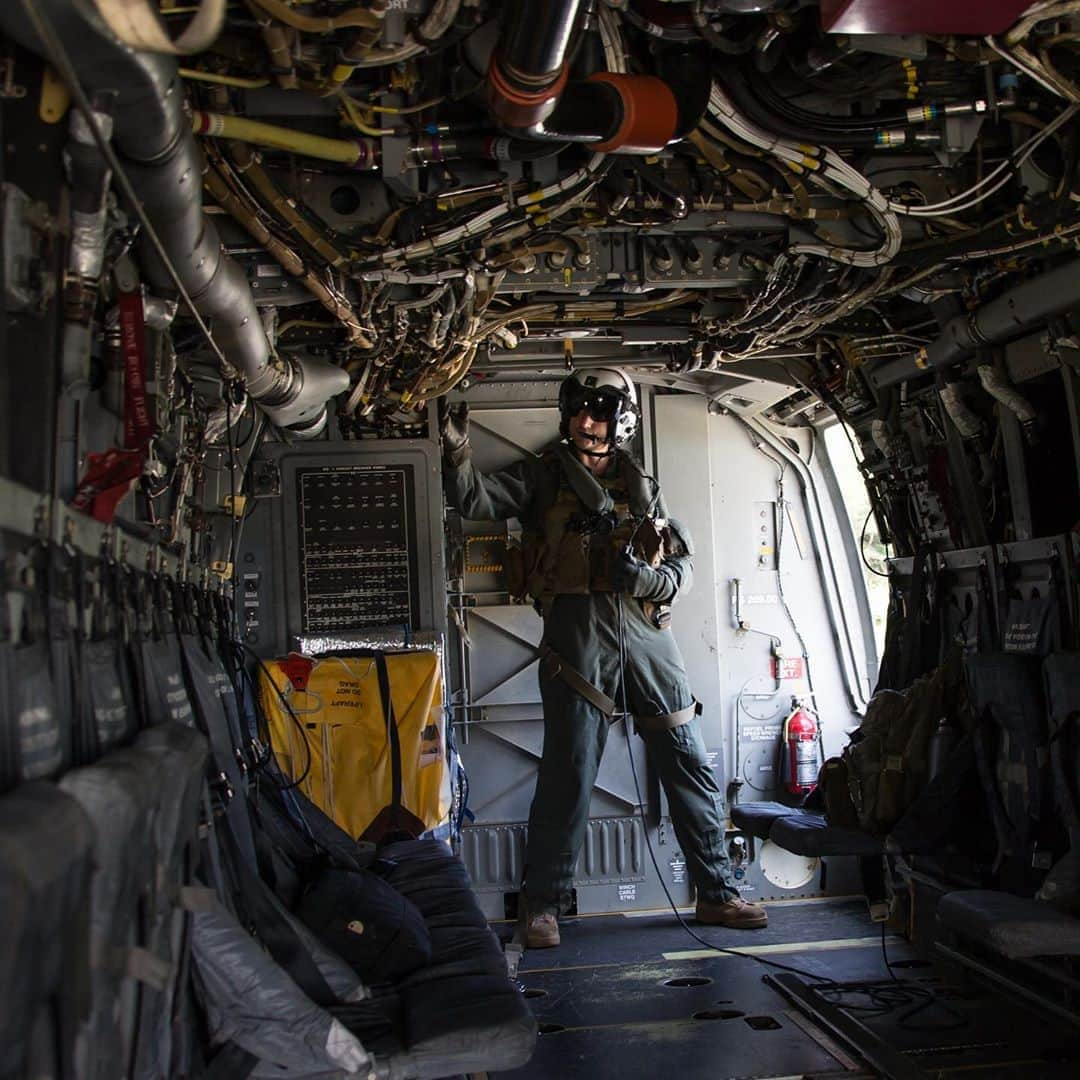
x=806, y=832
x=803, y=831
x=459, y=1013
x=1012, y=926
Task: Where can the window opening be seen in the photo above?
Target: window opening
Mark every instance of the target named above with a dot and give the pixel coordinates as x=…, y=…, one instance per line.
x=839, y=444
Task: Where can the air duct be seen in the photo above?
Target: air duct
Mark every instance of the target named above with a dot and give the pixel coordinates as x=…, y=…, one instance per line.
x=158, y=150
x=1027, y=305
x=530, y=95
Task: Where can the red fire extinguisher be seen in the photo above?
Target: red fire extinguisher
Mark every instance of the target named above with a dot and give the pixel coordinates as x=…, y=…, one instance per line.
x=801, y=744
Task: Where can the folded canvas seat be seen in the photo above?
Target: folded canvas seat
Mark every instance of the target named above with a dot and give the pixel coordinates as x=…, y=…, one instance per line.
x=758, y=818
x=1010, y=925
x=807, y=833
x=46, y=857
x=118, y=794
x=803, y=831
x=457, y=1014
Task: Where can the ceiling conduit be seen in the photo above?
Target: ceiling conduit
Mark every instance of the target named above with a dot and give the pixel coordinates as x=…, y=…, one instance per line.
x=161, y=159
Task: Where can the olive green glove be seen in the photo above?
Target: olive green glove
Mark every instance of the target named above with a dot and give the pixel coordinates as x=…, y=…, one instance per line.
x=454, y=428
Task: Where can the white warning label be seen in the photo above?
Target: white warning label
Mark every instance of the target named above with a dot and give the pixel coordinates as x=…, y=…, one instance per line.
x=759, y=732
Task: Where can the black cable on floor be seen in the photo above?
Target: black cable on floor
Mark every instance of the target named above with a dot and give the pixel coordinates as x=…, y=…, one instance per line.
x=884, y=996
x=648, y=842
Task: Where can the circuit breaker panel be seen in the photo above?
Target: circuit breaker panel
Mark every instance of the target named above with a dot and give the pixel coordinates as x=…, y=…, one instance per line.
x=349, y=536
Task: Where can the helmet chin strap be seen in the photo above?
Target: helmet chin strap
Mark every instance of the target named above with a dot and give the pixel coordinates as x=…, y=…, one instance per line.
x=594, y=453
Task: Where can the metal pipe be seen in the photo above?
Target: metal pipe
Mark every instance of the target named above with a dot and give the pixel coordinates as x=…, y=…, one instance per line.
x=162, y=162
x=89, y=176
x=528, y=70
x=529, y=95
x=1015, y=311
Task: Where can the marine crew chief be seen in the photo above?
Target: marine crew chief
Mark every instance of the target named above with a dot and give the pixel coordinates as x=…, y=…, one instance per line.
x=603, y=563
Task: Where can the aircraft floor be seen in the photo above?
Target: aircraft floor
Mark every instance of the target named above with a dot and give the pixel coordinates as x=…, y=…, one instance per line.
x=634, y=996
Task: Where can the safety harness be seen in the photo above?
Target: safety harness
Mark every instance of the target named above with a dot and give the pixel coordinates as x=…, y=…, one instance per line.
x=572, y=551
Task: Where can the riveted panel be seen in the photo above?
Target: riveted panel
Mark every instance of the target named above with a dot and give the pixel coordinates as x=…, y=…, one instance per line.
x=614, y=851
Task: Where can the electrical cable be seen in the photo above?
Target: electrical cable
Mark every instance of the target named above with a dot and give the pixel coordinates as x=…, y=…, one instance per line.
x=780, y=510
x=1009, y=166
x=884, y=997
x=231, y=563
x=645, y=828
x=305, y=772
x=862, y=546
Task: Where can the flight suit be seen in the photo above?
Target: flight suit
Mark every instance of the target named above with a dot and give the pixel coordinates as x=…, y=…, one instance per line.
x=583, y=628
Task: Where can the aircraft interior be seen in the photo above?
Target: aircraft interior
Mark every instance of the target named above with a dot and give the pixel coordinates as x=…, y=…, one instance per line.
x=450, y=444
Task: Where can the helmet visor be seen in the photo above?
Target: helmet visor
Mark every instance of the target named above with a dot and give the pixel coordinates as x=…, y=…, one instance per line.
x=599, y=404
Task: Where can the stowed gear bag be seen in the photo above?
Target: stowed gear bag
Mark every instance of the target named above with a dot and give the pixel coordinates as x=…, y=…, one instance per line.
x=1035, y=622
x=119, y=794
x=887, y=758
x=364, y=737
x=106, y=680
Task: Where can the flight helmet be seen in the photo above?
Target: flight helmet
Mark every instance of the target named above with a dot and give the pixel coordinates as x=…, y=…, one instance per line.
x=608, y=394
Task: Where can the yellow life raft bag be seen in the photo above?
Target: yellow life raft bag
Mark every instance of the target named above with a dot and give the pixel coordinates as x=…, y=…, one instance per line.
x=364, y=738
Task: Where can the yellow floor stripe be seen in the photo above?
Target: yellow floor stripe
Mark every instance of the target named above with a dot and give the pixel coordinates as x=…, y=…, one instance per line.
x=786, y=947
x=708, y=954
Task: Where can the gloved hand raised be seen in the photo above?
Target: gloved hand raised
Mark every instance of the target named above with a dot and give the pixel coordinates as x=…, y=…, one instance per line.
x=454, y=428
x=631, y=575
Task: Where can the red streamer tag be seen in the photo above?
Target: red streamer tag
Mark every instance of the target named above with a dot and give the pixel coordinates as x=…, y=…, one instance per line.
x=138, y=427
x=297, y=670
x=108, y=479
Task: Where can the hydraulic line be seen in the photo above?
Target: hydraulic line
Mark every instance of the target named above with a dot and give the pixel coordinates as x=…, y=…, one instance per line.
x=223, y=80
x=1016, y=310
x=285, y=207
x=279, y=41
x=361, y=52
x=247, y=216
x=369, y=17
x=359, y=154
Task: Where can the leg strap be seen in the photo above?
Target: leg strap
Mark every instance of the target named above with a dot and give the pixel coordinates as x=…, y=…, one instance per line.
x=576, y=681
x=669, y=720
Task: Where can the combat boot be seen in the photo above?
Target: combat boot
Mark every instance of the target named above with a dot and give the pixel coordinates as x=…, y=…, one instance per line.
x=537, y=929
x=735, y=914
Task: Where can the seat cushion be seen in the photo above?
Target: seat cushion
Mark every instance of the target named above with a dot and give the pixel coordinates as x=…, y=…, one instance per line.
x=806, y=833
x=367, y=922
x=757, y=818
x=1010, y=925
x=460, y=1013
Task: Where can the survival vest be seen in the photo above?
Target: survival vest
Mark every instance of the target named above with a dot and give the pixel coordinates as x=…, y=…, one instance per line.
x=570, y=544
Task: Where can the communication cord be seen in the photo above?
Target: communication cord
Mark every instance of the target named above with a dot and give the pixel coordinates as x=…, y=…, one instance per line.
x=883, y=997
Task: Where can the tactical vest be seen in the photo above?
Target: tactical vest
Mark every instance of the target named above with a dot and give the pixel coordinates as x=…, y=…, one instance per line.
x=570, y=549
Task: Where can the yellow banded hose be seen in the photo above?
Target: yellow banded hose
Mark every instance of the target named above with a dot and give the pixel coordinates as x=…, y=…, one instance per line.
x=360, y=154
x=362, y=17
